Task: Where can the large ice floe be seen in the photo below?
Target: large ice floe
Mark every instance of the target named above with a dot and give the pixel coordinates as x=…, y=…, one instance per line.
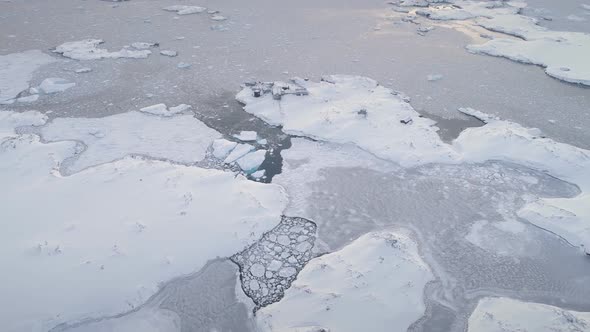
x=133, y=133
x=112, y=233
x=563, y=54
x=504, y=314
x=374, y=284
x=390, y=129
x=16, y=70
x=88, y=49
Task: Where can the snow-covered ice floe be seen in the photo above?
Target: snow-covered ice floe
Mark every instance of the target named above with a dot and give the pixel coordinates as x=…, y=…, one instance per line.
x=505, y=314
x=563, y=54
x=98, y=233
x=376, y=283
x=357, y=110
x=180, y=138
x=163, y=110
x=87, y=49
x=16, y=70
x=55, y=84
x=245, y=155
x=392, y=130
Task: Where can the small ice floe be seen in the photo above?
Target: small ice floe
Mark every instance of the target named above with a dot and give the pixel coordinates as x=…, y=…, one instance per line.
x=258, y=174
x=246, y=136
x=183, y=65
x=16, y=70
x=239, y=151
x=218, y=18
x=87, y=49
x=212, y=12
x=494, y=313
x=54, y=85
x=83, y=70
x=185, y=10
x=434, y=77
x=263, y=141
x=169, y=53
x=162, y=109
x=144, y=45
x=219, y=27
x=222, y=148
x=251, y=161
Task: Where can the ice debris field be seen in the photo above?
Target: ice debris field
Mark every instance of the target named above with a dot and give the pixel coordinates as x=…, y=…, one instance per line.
x=330, y=203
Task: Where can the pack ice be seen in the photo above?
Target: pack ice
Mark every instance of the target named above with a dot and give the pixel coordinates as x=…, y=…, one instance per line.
x=330, y=113
x=563, y=54
x=113, y=232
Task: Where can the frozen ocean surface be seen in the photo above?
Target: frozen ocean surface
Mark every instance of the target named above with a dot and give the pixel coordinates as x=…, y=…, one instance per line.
x=433, y=173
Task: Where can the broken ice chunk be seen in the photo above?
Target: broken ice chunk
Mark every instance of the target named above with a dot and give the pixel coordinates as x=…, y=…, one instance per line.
x=87, y=49
x=222, y=147
x=169, y=53
x=55, y=85
x=83, y=70
x=28, y=99
x=258, y=174
x=239, y=151
x=183, y=65
x=434, y=77
x=250, y=162
x=185, y=10
x=246, y=136
x=218, y=18
x=158, y=109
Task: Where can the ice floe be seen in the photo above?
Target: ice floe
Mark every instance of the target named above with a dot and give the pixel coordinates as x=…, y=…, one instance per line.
x=222, y=148
x=54, y=85
x=163, y=110
x=352, y=109
x=376, y=283
x=185, y=10
x=237, y=152
x=87, y=49
x=251, y=161
x=96, y=234
x=180, y=138
x=16, y=70
x=563, y=54
x=246, y=136
x=504, y=314
x=169, y=53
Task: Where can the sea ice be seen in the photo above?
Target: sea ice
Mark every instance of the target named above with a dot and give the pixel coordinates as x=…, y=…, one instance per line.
x=99, y=227
x=246, y=136
x=239, y=151
x=332, y=112
x=87, y=49
x=222, y=148
x=251, y=161
x=169, y=53
x=185, y=10
x=498, y=314
x=434, y=77
x=218, y=18
x=28, y=99
x=83, y=70
x=181, y=138
x=162, y=110
x=376, y=283
x=16, y=70
x=54, y=85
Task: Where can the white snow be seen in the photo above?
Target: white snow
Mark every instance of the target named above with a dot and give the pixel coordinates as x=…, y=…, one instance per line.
x=55, y=84
x=246, y=136
x=108, y=233
x=376, y=283
x=163, y=110
x=504, y=314
x=181, y=138
x=87, y=49
x=16, y=70
x=185, y=10
x=331, y=113
x=239, y=151
x=222, y=148
x=251, y=161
